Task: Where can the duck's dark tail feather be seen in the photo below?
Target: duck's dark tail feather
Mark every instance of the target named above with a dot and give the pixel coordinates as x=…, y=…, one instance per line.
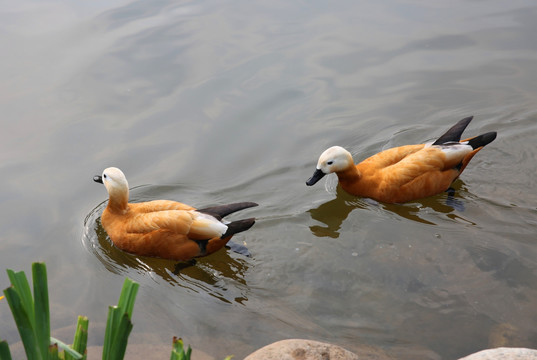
x=223, y=210
x=454, y=133
x=238, y=226
x=482, y=140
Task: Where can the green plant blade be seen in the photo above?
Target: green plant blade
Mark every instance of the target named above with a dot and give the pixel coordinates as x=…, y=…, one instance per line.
x=178, y=350
x=53, y=352
x=5, y=354
x=109, y=333
x=118, y=324
x=24, y=325
x=20, y=283
x=122, y=336
x=41, y=307
x=80, y=340
x=68, y=350
x=128, y=296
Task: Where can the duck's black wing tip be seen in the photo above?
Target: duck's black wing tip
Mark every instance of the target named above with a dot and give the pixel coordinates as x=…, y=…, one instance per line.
x=482, y=140
x=238, y=226
x=455, y=132
x=224, y=210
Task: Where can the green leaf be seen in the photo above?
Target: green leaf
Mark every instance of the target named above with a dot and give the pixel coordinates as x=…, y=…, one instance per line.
x=128, y=296
x=41, y=306
x=24, y=325
x=5, y=354
x=109, y=334
x=118, y=324
x=122, y=336
x=53, y=352
x=80, y=340
x=188, y=353
x=178, y=350
x=68, y=350
x=20, y=283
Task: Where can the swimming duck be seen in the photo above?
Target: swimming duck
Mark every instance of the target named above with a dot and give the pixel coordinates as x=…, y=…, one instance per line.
x=404, y=173
x=165, y=228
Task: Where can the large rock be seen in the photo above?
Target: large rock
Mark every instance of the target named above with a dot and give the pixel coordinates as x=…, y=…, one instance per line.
x=503, y=354
x=298, y=349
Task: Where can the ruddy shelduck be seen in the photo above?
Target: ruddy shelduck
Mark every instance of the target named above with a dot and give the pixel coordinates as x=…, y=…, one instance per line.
x=404, y=173
x=164, y=228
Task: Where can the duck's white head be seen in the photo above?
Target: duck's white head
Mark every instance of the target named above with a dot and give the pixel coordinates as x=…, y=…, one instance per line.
x=117, y=186
x=333, y=159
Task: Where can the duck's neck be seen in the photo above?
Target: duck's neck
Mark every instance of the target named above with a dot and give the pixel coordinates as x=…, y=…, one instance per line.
x=349, y=176
x=118, y=201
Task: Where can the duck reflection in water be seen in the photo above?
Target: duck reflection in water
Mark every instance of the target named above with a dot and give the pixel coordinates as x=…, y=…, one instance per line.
x=332, y=213
x=208, y=276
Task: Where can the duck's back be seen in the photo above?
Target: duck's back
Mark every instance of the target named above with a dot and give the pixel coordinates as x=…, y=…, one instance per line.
x=146, y=217
x=402, y=174
x=389, y=157
x=159, y=205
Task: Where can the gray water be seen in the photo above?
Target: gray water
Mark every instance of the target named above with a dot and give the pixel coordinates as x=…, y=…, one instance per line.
x=212, y=102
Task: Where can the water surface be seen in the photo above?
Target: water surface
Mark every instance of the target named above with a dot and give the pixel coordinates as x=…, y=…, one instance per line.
x=213, y=102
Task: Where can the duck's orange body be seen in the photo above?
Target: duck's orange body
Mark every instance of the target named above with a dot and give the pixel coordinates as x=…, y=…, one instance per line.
x=164, y=228
x=404, y=173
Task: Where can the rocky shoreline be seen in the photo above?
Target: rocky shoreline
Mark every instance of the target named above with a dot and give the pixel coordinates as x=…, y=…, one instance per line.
x=300, y=349
x=148, y=346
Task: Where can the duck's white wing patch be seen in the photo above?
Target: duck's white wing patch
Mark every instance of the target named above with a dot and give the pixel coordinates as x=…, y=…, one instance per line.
x=455, y=150
x=207, y=225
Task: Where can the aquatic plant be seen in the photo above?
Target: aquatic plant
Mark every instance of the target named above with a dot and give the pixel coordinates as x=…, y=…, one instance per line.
x=178, y=351
x=32, y=317
x=119, y=325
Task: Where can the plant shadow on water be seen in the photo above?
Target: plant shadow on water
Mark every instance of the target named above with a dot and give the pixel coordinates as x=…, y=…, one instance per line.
x=202, y=276
x=332, y=213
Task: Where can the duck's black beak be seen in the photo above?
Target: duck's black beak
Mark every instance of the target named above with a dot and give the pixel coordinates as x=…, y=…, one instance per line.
x=317, y=175
x=98, y=178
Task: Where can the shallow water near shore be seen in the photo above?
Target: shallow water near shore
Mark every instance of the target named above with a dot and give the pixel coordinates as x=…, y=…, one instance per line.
x=216, y=102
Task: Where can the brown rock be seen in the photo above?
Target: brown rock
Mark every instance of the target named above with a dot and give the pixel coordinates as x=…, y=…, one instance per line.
x=298, y=349
x=507, y=335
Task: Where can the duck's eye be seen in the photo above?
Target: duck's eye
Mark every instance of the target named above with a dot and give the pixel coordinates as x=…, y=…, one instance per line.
x=329, y=162
x=104, y=176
